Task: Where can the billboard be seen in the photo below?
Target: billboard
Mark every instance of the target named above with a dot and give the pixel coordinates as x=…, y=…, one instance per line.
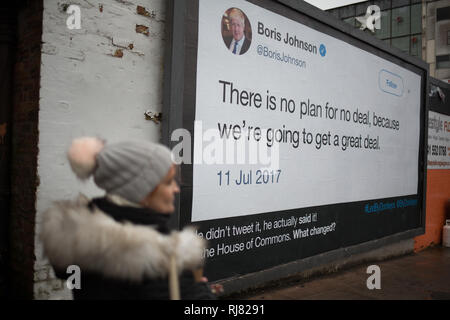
x=438, y=148
x=306, y=139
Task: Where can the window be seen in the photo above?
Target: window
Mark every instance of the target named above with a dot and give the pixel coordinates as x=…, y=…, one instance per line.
x=401, y=43
x=416, y=18
x=385, y=24
x=400, y=22
x=443, y=62
x=383, y=4
x=351, y=21
x=442, y=14
x=416, y=45
x=400, y=3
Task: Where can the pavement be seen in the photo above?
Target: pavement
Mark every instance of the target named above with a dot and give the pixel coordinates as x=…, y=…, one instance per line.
x=418, y=276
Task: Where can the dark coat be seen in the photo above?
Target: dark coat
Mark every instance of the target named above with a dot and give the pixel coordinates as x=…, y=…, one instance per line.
x=245, y=45
x=123, y=252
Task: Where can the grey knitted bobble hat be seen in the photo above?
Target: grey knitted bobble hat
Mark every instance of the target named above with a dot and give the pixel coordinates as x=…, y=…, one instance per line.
x=130, y=169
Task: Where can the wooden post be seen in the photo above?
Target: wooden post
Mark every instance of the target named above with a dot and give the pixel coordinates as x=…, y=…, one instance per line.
x=174, y=286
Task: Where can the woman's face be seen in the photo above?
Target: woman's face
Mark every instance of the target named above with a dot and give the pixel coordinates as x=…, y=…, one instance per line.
x=162, y=198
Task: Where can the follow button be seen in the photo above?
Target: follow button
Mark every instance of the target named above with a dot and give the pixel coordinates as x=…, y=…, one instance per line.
x=390, y=83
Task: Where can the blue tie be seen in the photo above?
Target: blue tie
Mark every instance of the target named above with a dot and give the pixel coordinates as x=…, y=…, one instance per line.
x=235, y=47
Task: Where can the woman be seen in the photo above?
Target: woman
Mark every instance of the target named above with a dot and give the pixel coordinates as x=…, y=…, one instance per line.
x=121, y=242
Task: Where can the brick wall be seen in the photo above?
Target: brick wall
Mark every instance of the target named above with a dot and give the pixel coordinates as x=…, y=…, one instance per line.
x=24, y=179
x=98, y=80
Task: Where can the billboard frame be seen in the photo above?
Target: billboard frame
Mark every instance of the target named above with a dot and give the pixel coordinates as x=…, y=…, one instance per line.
x=181, y=40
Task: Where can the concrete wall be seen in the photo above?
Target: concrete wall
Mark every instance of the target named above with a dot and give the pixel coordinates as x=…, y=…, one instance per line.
x=95, y=81
x=431, y=39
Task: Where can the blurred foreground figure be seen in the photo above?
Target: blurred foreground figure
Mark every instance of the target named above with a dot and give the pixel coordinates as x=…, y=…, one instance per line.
x=121, y=242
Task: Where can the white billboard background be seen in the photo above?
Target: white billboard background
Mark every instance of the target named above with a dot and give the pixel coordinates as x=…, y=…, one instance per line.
x=345, y=77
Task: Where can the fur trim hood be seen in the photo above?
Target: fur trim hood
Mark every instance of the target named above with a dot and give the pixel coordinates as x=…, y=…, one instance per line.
x=72, y=234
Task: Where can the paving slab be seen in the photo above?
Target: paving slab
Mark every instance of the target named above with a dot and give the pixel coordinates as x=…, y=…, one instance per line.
x=420, y=276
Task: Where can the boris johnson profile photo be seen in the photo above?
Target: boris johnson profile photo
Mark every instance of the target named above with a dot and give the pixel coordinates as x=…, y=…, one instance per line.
x=236, y=31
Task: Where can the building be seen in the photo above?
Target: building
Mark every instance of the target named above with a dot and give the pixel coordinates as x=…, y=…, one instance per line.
x=419, y=28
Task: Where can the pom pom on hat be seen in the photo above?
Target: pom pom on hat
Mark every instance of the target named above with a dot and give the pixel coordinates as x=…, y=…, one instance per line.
x=129, y=169
x=82, y=156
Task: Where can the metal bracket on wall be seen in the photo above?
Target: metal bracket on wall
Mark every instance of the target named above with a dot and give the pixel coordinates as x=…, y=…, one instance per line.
x=156, y=117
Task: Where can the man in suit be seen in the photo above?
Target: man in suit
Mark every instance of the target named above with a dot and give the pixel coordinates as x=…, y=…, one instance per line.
x=237, y=43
